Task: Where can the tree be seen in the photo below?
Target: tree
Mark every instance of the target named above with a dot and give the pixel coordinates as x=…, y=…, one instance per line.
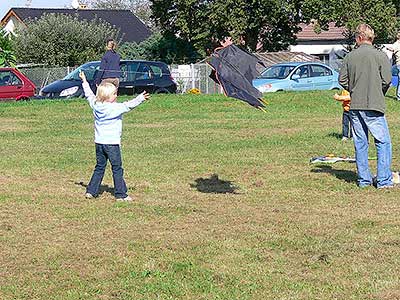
x=256, y=24
x=380, y=14
x=7, y=57
x=62, y=40
x=167, y=48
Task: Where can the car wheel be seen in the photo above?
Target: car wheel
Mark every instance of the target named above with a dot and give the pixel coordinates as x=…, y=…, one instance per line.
x=162, y=91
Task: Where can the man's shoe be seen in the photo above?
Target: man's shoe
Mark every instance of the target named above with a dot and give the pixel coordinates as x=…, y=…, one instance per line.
x=89, y=196
x=395, y=177
x=126, y=199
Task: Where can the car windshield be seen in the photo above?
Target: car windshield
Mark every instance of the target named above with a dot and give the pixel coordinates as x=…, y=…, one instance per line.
x=277, y=72
x=89, y=69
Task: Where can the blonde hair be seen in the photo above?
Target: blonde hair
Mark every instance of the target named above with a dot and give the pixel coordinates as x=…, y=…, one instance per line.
x=105, y=91
x=365, y=32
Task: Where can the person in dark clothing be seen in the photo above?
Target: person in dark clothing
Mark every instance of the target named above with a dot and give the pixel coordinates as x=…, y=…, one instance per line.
x=109, y=67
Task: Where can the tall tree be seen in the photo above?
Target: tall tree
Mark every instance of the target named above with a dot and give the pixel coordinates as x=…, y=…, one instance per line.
x=62, y=40
x=257, y=24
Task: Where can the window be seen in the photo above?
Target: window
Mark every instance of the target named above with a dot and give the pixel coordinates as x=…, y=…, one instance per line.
x=317, y=71
x=132, y=69
x=323, y=58
x=302, y=72
x=143, y=72
x=9, y=78
x=277, y=72
x=124, y=72
x=157, y=71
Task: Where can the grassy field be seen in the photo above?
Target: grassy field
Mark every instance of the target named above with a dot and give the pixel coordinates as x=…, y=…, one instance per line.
x=227, y=205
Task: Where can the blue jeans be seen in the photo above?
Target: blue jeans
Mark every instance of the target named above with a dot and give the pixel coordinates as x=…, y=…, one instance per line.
x=346, y=132
x=398, y=82
x=363, y=121
x=113, y=154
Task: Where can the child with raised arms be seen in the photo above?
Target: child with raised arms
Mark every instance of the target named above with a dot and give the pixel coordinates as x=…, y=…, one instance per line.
x=107, y=135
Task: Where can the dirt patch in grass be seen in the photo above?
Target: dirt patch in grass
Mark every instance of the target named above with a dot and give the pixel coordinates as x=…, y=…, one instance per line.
x=13, y=125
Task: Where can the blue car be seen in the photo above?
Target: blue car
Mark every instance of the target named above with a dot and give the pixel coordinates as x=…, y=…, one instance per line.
x=297, y=76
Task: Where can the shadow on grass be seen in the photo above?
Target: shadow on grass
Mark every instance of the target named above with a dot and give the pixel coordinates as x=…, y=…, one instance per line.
x=103, y=188
x=346, y=175
x=214, y=185
x=335, y=135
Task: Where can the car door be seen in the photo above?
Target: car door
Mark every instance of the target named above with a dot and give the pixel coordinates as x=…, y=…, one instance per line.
x=125, y=81
x=302, y=80
x=11, y=86
x=144, y=79
x=322, y=77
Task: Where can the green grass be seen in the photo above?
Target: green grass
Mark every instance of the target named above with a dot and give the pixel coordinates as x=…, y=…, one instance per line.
x=227, y=205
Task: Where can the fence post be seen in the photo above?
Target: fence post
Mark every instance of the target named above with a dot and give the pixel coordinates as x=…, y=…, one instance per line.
x=192, y=74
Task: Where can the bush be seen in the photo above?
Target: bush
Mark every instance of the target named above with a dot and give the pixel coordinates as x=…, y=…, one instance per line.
x=62, y=40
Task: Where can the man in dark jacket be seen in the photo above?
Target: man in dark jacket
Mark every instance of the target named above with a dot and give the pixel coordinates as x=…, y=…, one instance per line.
x=366, y=74
x=109, y=67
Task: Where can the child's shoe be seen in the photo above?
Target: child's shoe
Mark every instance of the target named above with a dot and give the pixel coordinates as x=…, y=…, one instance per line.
x=126, y=199
x=89, y=196
x=344, y=139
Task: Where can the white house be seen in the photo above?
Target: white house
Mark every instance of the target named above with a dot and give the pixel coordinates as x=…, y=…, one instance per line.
x=329, y=45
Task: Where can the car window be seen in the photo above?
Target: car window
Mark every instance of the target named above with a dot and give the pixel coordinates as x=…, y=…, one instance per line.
x=317, y=71
x=143, y=72
x=9, y=78
x=302, y=72
x=124, y=72
x=132, y=69
x=157, y=71
x=90, y=70
x=277, y=72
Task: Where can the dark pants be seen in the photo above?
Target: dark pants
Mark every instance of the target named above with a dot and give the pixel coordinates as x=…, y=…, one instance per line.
x=346, y=126
x=113, y=154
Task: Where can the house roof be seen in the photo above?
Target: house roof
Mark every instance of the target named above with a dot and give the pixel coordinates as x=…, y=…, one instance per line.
x=272, y=58
x=131, y=28
x=333, y=33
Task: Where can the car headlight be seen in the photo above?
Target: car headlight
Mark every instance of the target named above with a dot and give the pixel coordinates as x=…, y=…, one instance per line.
x=70, y=91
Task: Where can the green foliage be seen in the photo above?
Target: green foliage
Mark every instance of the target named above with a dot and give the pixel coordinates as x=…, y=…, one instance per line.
x=62, y=40
x=268, y=24
x=167, y=48
x=7, y=57
x=380, y=14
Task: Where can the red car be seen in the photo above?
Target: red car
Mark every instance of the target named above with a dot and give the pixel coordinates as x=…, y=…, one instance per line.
x=15, y=85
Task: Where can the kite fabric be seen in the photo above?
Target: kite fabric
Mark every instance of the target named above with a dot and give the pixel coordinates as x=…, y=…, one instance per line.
x=235, y=69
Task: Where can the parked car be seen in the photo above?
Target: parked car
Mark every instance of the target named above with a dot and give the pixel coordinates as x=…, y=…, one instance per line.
x=297, y=76
x=15, y=85
x=136, y=77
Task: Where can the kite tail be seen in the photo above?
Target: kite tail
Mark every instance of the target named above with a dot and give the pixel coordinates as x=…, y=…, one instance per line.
x=262, y=109
x=264, y=101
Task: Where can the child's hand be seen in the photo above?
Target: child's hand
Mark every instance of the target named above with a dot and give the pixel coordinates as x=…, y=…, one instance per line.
x=146, y=95
x=82, y=76
x=336, y=96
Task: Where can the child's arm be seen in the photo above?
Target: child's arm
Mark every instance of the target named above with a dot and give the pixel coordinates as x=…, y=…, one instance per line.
x=90, y=96
x=137, y=101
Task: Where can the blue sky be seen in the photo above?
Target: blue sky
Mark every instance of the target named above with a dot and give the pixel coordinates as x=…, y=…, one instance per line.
x=5, y=5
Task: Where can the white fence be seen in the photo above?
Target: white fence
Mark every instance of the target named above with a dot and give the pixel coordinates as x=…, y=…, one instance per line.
x=194, y=76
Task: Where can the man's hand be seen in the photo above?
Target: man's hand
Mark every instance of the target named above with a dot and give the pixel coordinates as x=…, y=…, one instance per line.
x=82, y=76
